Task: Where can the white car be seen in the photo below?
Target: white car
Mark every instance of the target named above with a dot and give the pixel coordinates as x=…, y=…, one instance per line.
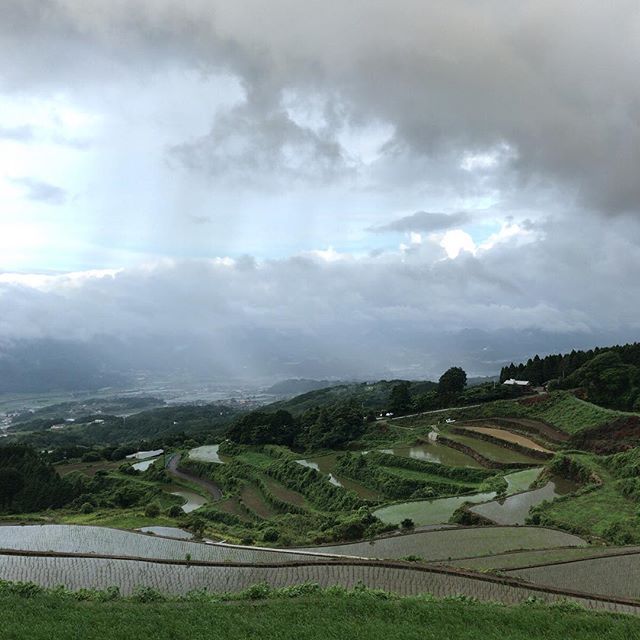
x=449, y=420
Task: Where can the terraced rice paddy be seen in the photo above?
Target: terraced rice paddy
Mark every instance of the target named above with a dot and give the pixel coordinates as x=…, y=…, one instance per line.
x=426, y=512
x=521, y=480
x=254, y=500
x=284, y=493
x=160, y=563
x=87, y=468
x=493, y=451
x=456, y=543
x=547, y=432
x=326, y=464
x=192, y=500
x=507, y=436
x=515, y=509
x=102, y=540
x=439, y=511
x=433, y=452
x=79, y=573
x=617, y=576
x=143, y=465
x=522, y=559
x=232, y=505
x=143, y=455
x=207, y=453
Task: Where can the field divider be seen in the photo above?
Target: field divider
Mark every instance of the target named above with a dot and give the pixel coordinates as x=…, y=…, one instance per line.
x=622, y=554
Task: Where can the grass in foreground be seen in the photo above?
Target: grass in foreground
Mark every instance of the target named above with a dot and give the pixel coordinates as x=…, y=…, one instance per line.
x=301, y=612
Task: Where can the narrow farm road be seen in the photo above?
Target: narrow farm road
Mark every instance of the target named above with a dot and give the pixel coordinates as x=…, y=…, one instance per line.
x=426, y=413
x=210, y=487
x=468, y=406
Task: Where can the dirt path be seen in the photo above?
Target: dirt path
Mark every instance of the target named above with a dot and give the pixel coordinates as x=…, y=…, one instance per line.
x=210, y=487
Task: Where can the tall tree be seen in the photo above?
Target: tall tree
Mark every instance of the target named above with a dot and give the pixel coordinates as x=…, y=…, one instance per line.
x=11, y=483
x=452, y=381
x=400, y=398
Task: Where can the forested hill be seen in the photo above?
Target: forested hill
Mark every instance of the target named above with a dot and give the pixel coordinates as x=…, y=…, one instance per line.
x=608, y=376
x=538, y=370
x=371, y=396
x=28, y=483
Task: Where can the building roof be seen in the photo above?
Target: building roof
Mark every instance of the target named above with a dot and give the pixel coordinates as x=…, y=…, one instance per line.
x=520, y=383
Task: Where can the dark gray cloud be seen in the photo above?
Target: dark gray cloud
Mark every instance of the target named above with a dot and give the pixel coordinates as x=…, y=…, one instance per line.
x=40, y=191
x=249, y=146
x=550, y=84
x=426, y=222
x=526, y=112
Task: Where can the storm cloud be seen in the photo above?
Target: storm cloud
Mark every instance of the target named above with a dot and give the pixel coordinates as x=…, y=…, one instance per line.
x=363, y=177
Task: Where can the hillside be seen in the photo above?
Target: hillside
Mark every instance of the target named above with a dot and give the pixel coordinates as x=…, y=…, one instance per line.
x=104, y=429
x=609, y=376
x=373, y=396
x=560, y=409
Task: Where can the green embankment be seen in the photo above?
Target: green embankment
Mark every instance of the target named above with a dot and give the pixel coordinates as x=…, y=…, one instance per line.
x=560, y=409
x=357, y=615
x=602, y=510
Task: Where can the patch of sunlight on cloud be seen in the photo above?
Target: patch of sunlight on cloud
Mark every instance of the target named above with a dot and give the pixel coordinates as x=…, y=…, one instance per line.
x=328, y=255
x=455, y=241
x=509, y=232
x=489, y=159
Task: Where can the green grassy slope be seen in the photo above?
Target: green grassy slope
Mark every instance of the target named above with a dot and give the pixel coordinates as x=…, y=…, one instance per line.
x=560, y=409
x=357, y=616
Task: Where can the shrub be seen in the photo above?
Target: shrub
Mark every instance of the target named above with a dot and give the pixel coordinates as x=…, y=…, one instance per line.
x=152, y=510
x=175, y=511
x=146, y=594
x=270, y=535
x=407, y=524
x=87, y=507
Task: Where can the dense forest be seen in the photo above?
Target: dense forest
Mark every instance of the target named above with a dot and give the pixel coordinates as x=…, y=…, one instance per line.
x=609, y=376
x=316, y=428
x=29, y=483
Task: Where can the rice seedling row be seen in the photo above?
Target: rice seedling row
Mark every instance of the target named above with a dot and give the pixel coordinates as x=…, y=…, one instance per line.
x=129, y=575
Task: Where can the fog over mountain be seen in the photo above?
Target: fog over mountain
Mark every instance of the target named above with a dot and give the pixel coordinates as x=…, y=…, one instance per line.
x=319, y=189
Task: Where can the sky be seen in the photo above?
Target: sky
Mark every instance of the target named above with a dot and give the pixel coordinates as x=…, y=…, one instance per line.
x=330, y=188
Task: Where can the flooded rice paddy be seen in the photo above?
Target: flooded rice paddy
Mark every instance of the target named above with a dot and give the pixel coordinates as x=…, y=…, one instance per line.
x=512, y=510
x=424, y=512
x=143, y=455
x=434, y=452
x=515, y=508
x=192, y=500
x=143, y=465
x=207, y=453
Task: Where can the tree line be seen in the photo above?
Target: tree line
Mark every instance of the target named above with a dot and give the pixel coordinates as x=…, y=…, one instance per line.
x=558, y=366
